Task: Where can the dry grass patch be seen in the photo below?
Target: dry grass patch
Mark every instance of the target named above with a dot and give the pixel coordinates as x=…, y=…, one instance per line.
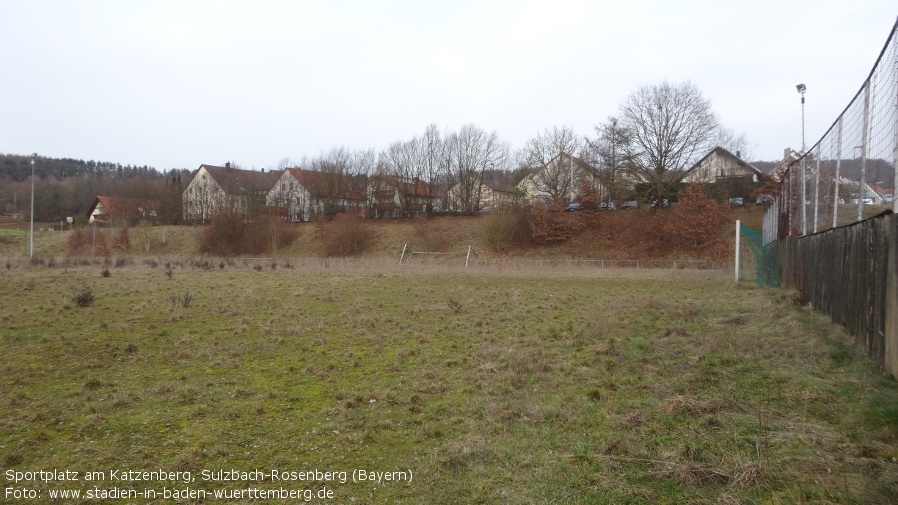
x=557, y=386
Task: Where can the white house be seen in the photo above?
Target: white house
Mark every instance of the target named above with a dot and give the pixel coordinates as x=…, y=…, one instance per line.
x=108, y=209
x=307, y=195
x=560, y=180
x=473, y=195
x=213, y=189
x=721, y=165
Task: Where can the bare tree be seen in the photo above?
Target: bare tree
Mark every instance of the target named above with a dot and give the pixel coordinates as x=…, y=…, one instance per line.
x=400, y=165
x=546, y=153
x=434, y=161
x=469, y=152
x=672, y=126
x=342, y=179
x=608, y=153
x=734, y=143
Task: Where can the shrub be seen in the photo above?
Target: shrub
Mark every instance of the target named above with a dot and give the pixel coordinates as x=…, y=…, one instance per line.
x=224, y=235
x=589, y=195
x=102, y=247
x=122, y=241
x=85, y=298
x=267, y=235
x=228, y=235
x=77, y=243
x=507, y=229
x=182, y=300
x=346, y=235
x=551, y=224
x=695, y=221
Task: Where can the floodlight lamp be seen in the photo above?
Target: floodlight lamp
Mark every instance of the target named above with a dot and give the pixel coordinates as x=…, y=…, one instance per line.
x=801, y=88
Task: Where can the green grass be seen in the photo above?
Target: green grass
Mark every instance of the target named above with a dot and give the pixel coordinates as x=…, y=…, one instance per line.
x=561, y=387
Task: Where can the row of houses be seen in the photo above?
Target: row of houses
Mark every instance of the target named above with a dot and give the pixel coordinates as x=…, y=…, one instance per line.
x=297, y=194
x=302, y=195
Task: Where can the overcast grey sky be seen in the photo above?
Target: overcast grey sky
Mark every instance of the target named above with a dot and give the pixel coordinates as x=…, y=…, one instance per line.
x=174, y=84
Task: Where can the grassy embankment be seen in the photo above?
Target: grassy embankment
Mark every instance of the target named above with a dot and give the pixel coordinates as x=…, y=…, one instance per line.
x=561, y=387
x=448, y=235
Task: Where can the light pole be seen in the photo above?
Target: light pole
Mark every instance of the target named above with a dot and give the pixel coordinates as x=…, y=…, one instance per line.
x=804, y=211
x=31, y=254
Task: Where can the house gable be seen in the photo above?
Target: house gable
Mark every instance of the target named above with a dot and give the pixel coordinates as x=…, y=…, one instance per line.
x=719, y=165
x=107, y=209
x=213, y=189
x=307, y=194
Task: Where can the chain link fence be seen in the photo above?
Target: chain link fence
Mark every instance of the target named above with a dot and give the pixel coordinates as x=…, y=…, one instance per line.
x=850, y=173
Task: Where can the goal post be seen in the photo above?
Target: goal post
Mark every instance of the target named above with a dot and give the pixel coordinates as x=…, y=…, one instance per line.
x=409, y=256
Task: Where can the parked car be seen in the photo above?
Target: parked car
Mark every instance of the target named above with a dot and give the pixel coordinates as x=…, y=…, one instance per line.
x=736, y=202
x=888, y=199
x=607, y=206
x=574, y=207
x=765, y=199
x=629, y=205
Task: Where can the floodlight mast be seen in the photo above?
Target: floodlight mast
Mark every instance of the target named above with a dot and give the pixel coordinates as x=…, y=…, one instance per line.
x=801, y=90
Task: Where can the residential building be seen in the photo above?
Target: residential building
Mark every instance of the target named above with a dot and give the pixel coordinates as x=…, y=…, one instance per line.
x=560, y=181
x=392, y=197
x=307, y=195
x=721, y=165
x=108, y=210
x=213, y=189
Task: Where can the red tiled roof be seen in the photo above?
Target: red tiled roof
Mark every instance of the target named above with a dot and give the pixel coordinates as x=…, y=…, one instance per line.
x=416, y=187
x=116, y=205
x=240, y=180
x=326, y=185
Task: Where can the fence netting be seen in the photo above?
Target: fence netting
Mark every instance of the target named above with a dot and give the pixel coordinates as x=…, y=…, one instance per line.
x=850, y=173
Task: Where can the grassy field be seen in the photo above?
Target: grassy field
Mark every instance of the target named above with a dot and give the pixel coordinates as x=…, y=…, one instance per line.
x=565, y=386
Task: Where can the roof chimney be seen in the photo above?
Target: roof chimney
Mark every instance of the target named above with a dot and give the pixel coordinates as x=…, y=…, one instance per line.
x=227, y=164
x=738, y=155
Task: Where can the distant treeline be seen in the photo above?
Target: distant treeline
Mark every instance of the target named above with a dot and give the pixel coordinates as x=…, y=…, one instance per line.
x=18, y=168
x=66, y=187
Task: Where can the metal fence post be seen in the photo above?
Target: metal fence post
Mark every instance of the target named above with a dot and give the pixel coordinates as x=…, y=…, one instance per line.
x=863, y=184
x=804, y=197
x=817, y=188
x=838, y=175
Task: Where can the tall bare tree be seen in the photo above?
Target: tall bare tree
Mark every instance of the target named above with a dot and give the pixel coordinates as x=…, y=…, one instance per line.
x=549, y=153
x=672, y=126
x=433, y=158
x=469, y=152
x=608, y=153
x=735, y=143
x=342, y=178
x=398, y=166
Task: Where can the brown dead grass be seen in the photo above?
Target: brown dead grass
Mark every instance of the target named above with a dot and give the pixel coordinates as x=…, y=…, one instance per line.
x=610, y=235
x=688, y=405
